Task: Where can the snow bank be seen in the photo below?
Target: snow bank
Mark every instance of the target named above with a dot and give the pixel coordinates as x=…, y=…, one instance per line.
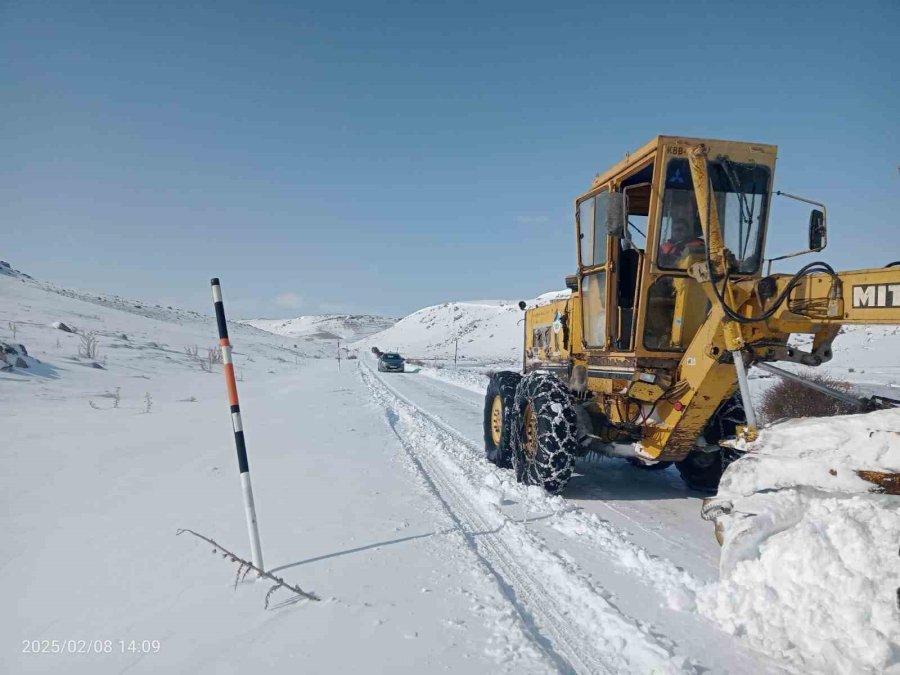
x=819, y=452
x=809, y=559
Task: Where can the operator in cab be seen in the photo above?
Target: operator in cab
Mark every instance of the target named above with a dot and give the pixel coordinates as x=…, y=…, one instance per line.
x=682, y=243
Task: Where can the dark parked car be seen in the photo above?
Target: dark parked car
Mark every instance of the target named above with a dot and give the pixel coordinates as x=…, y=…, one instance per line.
x=391, y=362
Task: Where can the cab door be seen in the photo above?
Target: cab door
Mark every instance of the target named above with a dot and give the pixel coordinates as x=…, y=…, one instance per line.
x=593, y=267
x=627, y=254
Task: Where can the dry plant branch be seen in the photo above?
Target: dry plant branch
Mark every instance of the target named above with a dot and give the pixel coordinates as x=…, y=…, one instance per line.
x=88, y=348
x=213, y=355
x=244, y=567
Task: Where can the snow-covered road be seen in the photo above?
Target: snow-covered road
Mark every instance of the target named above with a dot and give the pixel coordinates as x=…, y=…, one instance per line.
x=656, y=507
x=604, y=576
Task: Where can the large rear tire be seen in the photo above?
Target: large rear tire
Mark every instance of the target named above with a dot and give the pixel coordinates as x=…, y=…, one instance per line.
x=703, y=470
x=546, y=439
x=499, y=417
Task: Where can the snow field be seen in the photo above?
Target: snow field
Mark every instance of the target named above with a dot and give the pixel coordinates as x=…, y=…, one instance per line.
x=91, y=499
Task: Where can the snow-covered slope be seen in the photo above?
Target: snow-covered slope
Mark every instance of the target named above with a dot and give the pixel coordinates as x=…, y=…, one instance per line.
x=92, y=312
x=347, y=327
x=106, y=456
x=486, y=331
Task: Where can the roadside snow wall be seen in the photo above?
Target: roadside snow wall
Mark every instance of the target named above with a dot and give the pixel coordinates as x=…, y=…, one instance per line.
x=810, y=566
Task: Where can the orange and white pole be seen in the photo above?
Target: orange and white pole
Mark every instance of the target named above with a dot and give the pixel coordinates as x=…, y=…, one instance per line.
x=237, y=425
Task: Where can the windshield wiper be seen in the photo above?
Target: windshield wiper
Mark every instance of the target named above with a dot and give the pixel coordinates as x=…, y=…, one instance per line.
x=746, y=210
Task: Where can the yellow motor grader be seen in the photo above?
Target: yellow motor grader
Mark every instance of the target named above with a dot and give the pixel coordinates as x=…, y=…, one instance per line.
x=647, y=359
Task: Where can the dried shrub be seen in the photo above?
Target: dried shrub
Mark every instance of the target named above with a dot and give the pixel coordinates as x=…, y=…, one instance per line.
x=88, y=348
x=788, y=399
x=213, y=356
x=245, y=567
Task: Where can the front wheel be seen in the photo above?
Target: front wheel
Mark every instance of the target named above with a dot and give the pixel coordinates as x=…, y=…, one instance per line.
x=499, y=417
x=703, y=470
x=546, y=439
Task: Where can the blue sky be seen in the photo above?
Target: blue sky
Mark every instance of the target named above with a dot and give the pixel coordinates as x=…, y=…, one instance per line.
x=385, y=156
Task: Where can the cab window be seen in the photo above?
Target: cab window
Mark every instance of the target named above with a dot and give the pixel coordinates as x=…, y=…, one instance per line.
x=592, y=229
x=741, y=197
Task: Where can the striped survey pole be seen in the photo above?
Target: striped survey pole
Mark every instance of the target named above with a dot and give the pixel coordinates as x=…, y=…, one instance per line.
x=243, y=466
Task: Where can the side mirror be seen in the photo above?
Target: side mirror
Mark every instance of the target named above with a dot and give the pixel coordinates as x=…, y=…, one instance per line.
x=615, y=214
x=522, y=305
x=572, y=282
x=817, y=233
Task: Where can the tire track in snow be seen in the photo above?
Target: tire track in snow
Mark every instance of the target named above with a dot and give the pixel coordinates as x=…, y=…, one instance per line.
x=676, y=586
x=434, y=381
x=573, y=623
x=466, y=525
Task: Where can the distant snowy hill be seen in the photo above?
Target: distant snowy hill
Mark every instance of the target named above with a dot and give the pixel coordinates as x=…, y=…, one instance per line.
x=88, y=312
x=325, y=326
x=490, y=332
x=486, y=330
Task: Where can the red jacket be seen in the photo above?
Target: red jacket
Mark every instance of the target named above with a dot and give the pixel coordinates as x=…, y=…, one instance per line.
x=676, y=248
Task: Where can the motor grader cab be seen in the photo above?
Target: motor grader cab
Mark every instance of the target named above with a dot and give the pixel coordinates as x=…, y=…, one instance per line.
x=671, y=303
